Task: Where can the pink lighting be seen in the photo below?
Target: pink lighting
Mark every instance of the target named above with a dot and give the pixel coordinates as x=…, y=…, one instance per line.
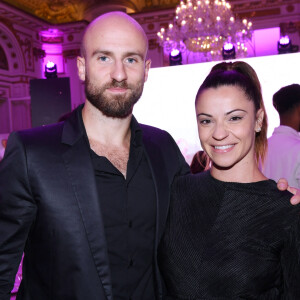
x=284, y=40
x=50, y=70
x=50, y=64
x=174, y=52
x=53, y=39
x=228, y=46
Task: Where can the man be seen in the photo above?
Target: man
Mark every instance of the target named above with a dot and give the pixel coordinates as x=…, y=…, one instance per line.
x=87, y=199
x=283, y=159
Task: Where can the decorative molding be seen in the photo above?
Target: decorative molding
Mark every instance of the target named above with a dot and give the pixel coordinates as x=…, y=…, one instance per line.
x=26, y=46
x=153, y=44
x=52, y=39
x=260, y=13
x=38, y=53
x=3, y=59
x=4, y=92
x=8, y=52
x=18, y=16
x=60, y=11
x=291, y=27
x=8, y=13
x=71, y=53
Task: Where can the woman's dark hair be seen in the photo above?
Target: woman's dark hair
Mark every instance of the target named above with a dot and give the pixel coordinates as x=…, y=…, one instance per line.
x=200, y=162
x=241, y=75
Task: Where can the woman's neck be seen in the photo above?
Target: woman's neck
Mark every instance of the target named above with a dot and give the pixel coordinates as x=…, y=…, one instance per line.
x=238, y=173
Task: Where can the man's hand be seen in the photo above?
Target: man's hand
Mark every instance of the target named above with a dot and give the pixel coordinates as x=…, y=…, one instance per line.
x=282, y=185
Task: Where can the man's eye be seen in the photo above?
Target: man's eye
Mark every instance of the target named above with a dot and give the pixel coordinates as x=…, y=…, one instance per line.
x=103, y=58
x=131, y=60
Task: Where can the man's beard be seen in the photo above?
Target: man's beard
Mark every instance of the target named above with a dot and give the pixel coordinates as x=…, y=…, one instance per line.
x=114, y=106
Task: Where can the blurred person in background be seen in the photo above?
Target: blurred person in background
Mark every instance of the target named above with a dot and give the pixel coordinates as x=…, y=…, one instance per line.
x=200, y=162
x=283, y=156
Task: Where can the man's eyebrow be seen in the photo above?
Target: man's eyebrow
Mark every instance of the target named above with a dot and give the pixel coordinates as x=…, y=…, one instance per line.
x=141, y=55
x=110, y=53
x=104, y=52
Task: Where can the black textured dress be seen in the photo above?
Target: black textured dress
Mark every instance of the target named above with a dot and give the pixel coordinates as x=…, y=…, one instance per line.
x=230, y=241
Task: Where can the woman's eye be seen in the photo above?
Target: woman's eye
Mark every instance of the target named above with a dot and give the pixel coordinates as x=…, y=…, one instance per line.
x=235, y=118
x=204, y=122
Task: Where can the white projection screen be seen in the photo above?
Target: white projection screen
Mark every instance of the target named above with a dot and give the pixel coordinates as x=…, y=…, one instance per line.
x=169, y=93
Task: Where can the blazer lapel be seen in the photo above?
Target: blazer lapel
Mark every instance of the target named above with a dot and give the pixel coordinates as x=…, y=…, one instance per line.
x=161, y=181
x=81, y=175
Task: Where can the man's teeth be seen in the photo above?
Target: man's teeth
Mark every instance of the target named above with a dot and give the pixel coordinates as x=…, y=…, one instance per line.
x=223, y=147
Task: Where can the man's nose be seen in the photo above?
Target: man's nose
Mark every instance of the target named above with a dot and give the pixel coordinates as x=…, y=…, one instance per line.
x=118, y=71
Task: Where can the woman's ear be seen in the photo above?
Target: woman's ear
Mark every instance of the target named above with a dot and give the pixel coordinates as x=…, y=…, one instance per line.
x=259, y=120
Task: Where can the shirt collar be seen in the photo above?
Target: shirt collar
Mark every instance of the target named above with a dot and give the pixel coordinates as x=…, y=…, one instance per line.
x=136, y=132
x=282, y=129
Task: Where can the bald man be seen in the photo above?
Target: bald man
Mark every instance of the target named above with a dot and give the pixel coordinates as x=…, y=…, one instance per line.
x=87, y=199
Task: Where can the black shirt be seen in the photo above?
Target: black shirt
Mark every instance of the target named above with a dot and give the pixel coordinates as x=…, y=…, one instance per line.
x=129, y=215
x=229, y=240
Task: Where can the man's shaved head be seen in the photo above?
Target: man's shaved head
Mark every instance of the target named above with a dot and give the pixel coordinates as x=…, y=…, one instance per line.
x=113, y=20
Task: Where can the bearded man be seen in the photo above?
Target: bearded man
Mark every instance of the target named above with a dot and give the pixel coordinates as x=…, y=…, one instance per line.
x=87, y=199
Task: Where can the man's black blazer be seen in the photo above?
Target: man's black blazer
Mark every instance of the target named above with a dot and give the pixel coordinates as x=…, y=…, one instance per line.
x=49, y=209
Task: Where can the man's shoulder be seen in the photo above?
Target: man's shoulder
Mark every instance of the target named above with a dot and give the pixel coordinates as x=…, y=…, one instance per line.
x=41, y=133
x=156, y=135
x=152, y=129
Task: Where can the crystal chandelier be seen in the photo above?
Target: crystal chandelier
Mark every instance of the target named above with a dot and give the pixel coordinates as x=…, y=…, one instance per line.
x=205, y=26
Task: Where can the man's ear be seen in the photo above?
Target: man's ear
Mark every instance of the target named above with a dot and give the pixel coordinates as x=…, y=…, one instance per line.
x=81, y=67
x=147, y=67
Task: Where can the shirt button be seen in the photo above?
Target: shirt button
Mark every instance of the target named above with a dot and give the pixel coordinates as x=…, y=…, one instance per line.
x=130, y=224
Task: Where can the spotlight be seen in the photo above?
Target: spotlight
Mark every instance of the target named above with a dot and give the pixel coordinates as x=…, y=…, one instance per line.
x=228, y=51
x=175, y=57
x=50, y=70
x=284, y=45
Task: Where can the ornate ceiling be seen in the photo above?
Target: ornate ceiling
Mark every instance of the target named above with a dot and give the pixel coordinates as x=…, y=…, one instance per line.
x=63, y=11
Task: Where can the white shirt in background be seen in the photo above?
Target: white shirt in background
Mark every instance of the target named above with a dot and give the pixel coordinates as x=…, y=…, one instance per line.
x=283, y=157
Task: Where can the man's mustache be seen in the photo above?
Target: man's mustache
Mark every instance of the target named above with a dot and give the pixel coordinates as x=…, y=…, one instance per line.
x=117, y=84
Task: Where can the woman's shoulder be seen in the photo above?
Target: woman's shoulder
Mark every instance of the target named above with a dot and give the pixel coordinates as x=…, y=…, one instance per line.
x=265, y=196
x=281, y=200
x=197, y=188
x=189, y=181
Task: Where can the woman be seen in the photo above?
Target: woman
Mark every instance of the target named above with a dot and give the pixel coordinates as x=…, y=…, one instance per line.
x=231, y=234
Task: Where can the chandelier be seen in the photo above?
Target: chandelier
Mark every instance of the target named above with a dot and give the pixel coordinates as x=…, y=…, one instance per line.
x=206, y=26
